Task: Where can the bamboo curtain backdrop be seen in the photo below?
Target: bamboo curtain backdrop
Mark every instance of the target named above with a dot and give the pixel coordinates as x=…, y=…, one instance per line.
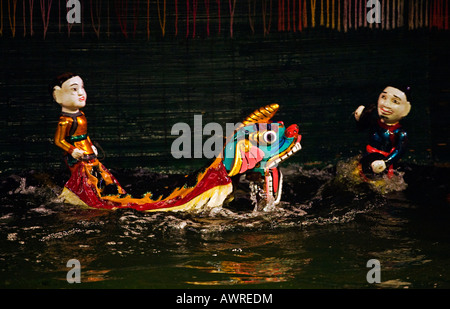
x=204, y=18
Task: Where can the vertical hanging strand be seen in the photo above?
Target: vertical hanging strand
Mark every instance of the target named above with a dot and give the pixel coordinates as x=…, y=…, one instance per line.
x=187, y=18
x=338, y=15
x=344, y=19
x=266, y=24
x=439, y=14
x=250, y=14
x=421, y=14
x=410, y=11
x=435, y=13
x=305, y=15
x=232, y=8
x=294, y=15
x=59, y=17
x=263, y=13
x=300, y=21
x=162, y=23
x=401, y=9
x=394, y=11
x=349, y=14
x=321, y=13
x=121, y=7
x=136, y=16
x=426, y=14
x=12, y=21
x=355, y=13
x=218, y=14
x=396, y=8
x=363, y=8
x=350, y=2
x=31, y=2
x=288, y=15
x=328, y=14
x=432, y=13
x=333, y=18
x=280, y=15
x=69, y=25
x=361, y=13
x=388, y=23
x=313, y=13
x=446, y=16
x=194, y=16
x=148, y=19
x=416, y=16
x=430, y=17
x=82, y=17
x=269, y=25
x=383, y=15
x=98, y=9
x=207, y=16
x=24, y=19
x=45, y=13
x=176, y=17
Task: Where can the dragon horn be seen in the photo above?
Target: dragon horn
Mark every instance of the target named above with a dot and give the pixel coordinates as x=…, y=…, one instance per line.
x=262, y=114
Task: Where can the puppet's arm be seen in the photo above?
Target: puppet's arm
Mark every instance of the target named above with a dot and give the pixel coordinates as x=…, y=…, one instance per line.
x=60, y=140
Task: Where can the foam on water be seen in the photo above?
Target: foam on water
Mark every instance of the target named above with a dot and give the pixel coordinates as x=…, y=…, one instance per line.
x=311, y=196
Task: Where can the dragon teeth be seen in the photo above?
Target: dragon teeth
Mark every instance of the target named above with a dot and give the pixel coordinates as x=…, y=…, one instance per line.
x=296, y=148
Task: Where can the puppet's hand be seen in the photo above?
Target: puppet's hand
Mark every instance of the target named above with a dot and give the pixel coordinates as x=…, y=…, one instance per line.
x=94, y=149
x=358, y=112
x=378, y=166
x=77, y=153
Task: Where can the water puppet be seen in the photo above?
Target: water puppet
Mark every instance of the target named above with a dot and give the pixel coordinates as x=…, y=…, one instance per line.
x=387, y=138
x=257, y=146
x=71, y=134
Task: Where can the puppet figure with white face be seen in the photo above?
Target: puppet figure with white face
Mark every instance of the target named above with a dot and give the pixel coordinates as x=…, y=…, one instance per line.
x=71, y=134
x=387, y=138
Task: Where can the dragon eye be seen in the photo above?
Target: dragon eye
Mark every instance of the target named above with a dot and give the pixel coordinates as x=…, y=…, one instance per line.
x=270, y=137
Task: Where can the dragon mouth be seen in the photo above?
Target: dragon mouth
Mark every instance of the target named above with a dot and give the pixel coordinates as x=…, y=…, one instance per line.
x=286, y=154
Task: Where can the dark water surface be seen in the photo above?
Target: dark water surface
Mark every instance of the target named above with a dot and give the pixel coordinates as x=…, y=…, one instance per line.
x=321, y=236
x=326, y=228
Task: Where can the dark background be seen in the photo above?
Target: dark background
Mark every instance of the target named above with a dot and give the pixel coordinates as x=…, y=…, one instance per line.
x=140, y=83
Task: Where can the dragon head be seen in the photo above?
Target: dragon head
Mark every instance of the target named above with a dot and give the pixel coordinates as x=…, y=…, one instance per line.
x=258, y=145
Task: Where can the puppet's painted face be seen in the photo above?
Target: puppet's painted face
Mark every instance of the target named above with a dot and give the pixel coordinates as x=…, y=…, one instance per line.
x=71, y=95
x=392, y=105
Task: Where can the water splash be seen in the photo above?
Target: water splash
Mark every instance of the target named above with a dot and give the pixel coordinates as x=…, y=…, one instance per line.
x=347, y=172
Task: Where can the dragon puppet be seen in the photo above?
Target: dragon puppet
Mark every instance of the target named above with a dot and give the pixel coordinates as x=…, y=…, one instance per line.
x=257, y=145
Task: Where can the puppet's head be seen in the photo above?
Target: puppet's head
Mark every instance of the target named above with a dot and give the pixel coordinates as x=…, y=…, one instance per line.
x=393, y=105
x=68, y=91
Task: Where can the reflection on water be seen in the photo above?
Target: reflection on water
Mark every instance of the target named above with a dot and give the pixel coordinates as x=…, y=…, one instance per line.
x=259, y=271
x=320, y=236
